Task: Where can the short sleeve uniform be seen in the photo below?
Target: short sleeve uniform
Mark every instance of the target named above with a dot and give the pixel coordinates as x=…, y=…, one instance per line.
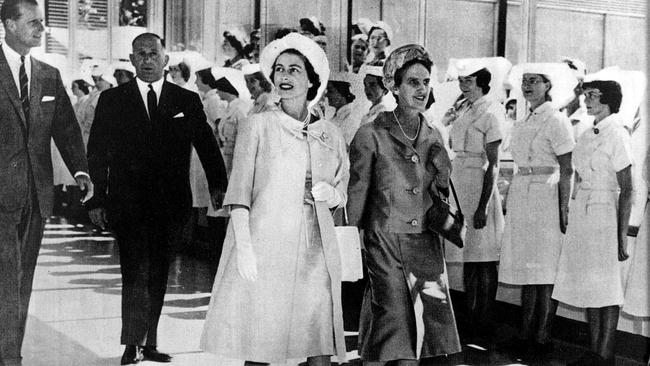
x=477, y=125
x=589, y=273
x=532, y=214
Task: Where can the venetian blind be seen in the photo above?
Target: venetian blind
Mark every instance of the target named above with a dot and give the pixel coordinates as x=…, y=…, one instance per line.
x=635, y=7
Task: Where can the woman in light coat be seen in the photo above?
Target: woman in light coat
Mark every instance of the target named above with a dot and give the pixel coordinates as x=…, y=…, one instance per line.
x=276, y=295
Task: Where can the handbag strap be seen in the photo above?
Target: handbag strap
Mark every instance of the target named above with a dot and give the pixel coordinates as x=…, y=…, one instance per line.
x=453, y=191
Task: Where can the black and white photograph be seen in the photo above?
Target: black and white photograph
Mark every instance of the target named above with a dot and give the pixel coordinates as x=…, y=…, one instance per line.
x=324, y=182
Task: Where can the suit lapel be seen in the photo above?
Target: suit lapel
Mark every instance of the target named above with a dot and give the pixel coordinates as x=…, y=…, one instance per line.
x=9, y=86
x=395, y=131
x=35, y=85
x=134, y=94
x=165, y=100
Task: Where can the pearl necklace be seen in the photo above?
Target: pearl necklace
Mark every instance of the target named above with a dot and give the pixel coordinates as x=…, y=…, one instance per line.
x=404, y=133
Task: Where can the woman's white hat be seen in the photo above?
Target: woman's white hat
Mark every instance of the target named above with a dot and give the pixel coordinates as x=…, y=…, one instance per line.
x=308, y=48
x=498, y=67
x=251, y=69
x=562, y=78
x=235, y=78
x=385, y=27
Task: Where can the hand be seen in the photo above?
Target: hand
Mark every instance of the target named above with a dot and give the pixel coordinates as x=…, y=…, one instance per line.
x=480, y=218
x=216, y=198
x=98, y=217
x=622, y=248
x=449, y=117
x=564, y=219
x=325, y=192
x=86, y=185
x=246, y=262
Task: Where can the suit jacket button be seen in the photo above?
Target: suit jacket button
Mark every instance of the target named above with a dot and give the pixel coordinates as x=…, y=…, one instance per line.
x=416, y=190
x=414, y=222
x=415, y=159
x=14, y=164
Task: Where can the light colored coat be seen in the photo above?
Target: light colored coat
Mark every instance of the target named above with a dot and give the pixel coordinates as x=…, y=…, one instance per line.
x=262, y=320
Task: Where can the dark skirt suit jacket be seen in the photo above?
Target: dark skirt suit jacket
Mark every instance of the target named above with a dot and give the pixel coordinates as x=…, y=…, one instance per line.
x=140, y=168
x=388, y=196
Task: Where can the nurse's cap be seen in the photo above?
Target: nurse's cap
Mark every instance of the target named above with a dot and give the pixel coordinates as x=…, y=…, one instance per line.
x=234, y=77
x=463, y=67
x=123, y=65
x=385, y=27
x=107, y=75
x=251, y=69
x=578, y=66
x=372, y=70
x=499, y=67
x=562, y=79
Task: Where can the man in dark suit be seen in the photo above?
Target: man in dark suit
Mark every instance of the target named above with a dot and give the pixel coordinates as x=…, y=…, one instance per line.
x=34, y=109
x=139, y=157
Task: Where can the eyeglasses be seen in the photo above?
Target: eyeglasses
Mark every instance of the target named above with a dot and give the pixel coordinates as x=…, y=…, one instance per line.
x=592, y=94
x=530, y=82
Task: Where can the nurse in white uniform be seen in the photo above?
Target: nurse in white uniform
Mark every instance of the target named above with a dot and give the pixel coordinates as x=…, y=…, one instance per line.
x=589, y=273
x=538, y=199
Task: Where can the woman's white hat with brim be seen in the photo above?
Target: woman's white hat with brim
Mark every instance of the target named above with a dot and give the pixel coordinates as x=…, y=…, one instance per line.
x=235, y=78
x=633, y=85
x=562, y=78
x=308, y=48
x=251, y=69
x=386, y=28
x=498, y=67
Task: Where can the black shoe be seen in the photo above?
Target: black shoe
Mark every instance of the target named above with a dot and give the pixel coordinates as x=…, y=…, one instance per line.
x=132, y=354
x=151, y=353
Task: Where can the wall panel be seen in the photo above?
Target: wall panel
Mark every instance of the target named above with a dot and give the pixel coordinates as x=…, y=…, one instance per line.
x=569, y=33
x=456, y=29
x=625, y=40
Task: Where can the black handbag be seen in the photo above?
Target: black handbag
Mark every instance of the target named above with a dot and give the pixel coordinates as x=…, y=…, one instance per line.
x=445, y=220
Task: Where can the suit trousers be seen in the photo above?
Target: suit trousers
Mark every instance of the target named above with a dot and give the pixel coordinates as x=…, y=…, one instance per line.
x=145, y=250
x=21, y=233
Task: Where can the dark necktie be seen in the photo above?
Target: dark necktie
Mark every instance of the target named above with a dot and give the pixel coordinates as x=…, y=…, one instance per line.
x=152, y=104
x=24, y=90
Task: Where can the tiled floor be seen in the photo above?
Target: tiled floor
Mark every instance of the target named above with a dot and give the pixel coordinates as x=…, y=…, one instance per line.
x=75, y=308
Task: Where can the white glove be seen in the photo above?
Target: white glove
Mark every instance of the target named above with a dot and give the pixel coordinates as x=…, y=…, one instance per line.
x=323, y=191
x=246, y=259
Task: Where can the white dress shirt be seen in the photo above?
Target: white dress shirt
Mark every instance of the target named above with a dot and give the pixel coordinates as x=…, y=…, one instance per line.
x=143, y=86
x=13, y=59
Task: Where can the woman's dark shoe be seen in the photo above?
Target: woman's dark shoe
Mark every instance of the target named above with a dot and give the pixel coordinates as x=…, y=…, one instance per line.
x=151, y=353
x=132, y=354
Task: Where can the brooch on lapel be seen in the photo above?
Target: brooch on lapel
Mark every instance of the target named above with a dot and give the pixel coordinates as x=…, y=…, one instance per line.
x=324, y=136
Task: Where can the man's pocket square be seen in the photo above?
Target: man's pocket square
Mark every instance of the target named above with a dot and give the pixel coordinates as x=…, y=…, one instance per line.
x=47, y=98
x=179, y=115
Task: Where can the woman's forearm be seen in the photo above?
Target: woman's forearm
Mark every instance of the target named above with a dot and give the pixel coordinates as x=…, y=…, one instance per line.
x=624, y=178
x=491, y=174
x=239, y=216
x=566, y=180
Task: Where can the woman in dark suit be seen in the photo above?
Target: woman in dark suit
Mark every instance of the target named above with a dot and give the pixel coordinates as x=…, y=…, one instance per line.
x=395, y=162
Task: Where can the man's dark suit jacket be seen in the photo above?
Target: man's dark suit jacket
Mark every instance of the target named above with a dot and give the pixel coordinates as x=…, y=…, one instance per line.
x=24, y=142
x=140, y=168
